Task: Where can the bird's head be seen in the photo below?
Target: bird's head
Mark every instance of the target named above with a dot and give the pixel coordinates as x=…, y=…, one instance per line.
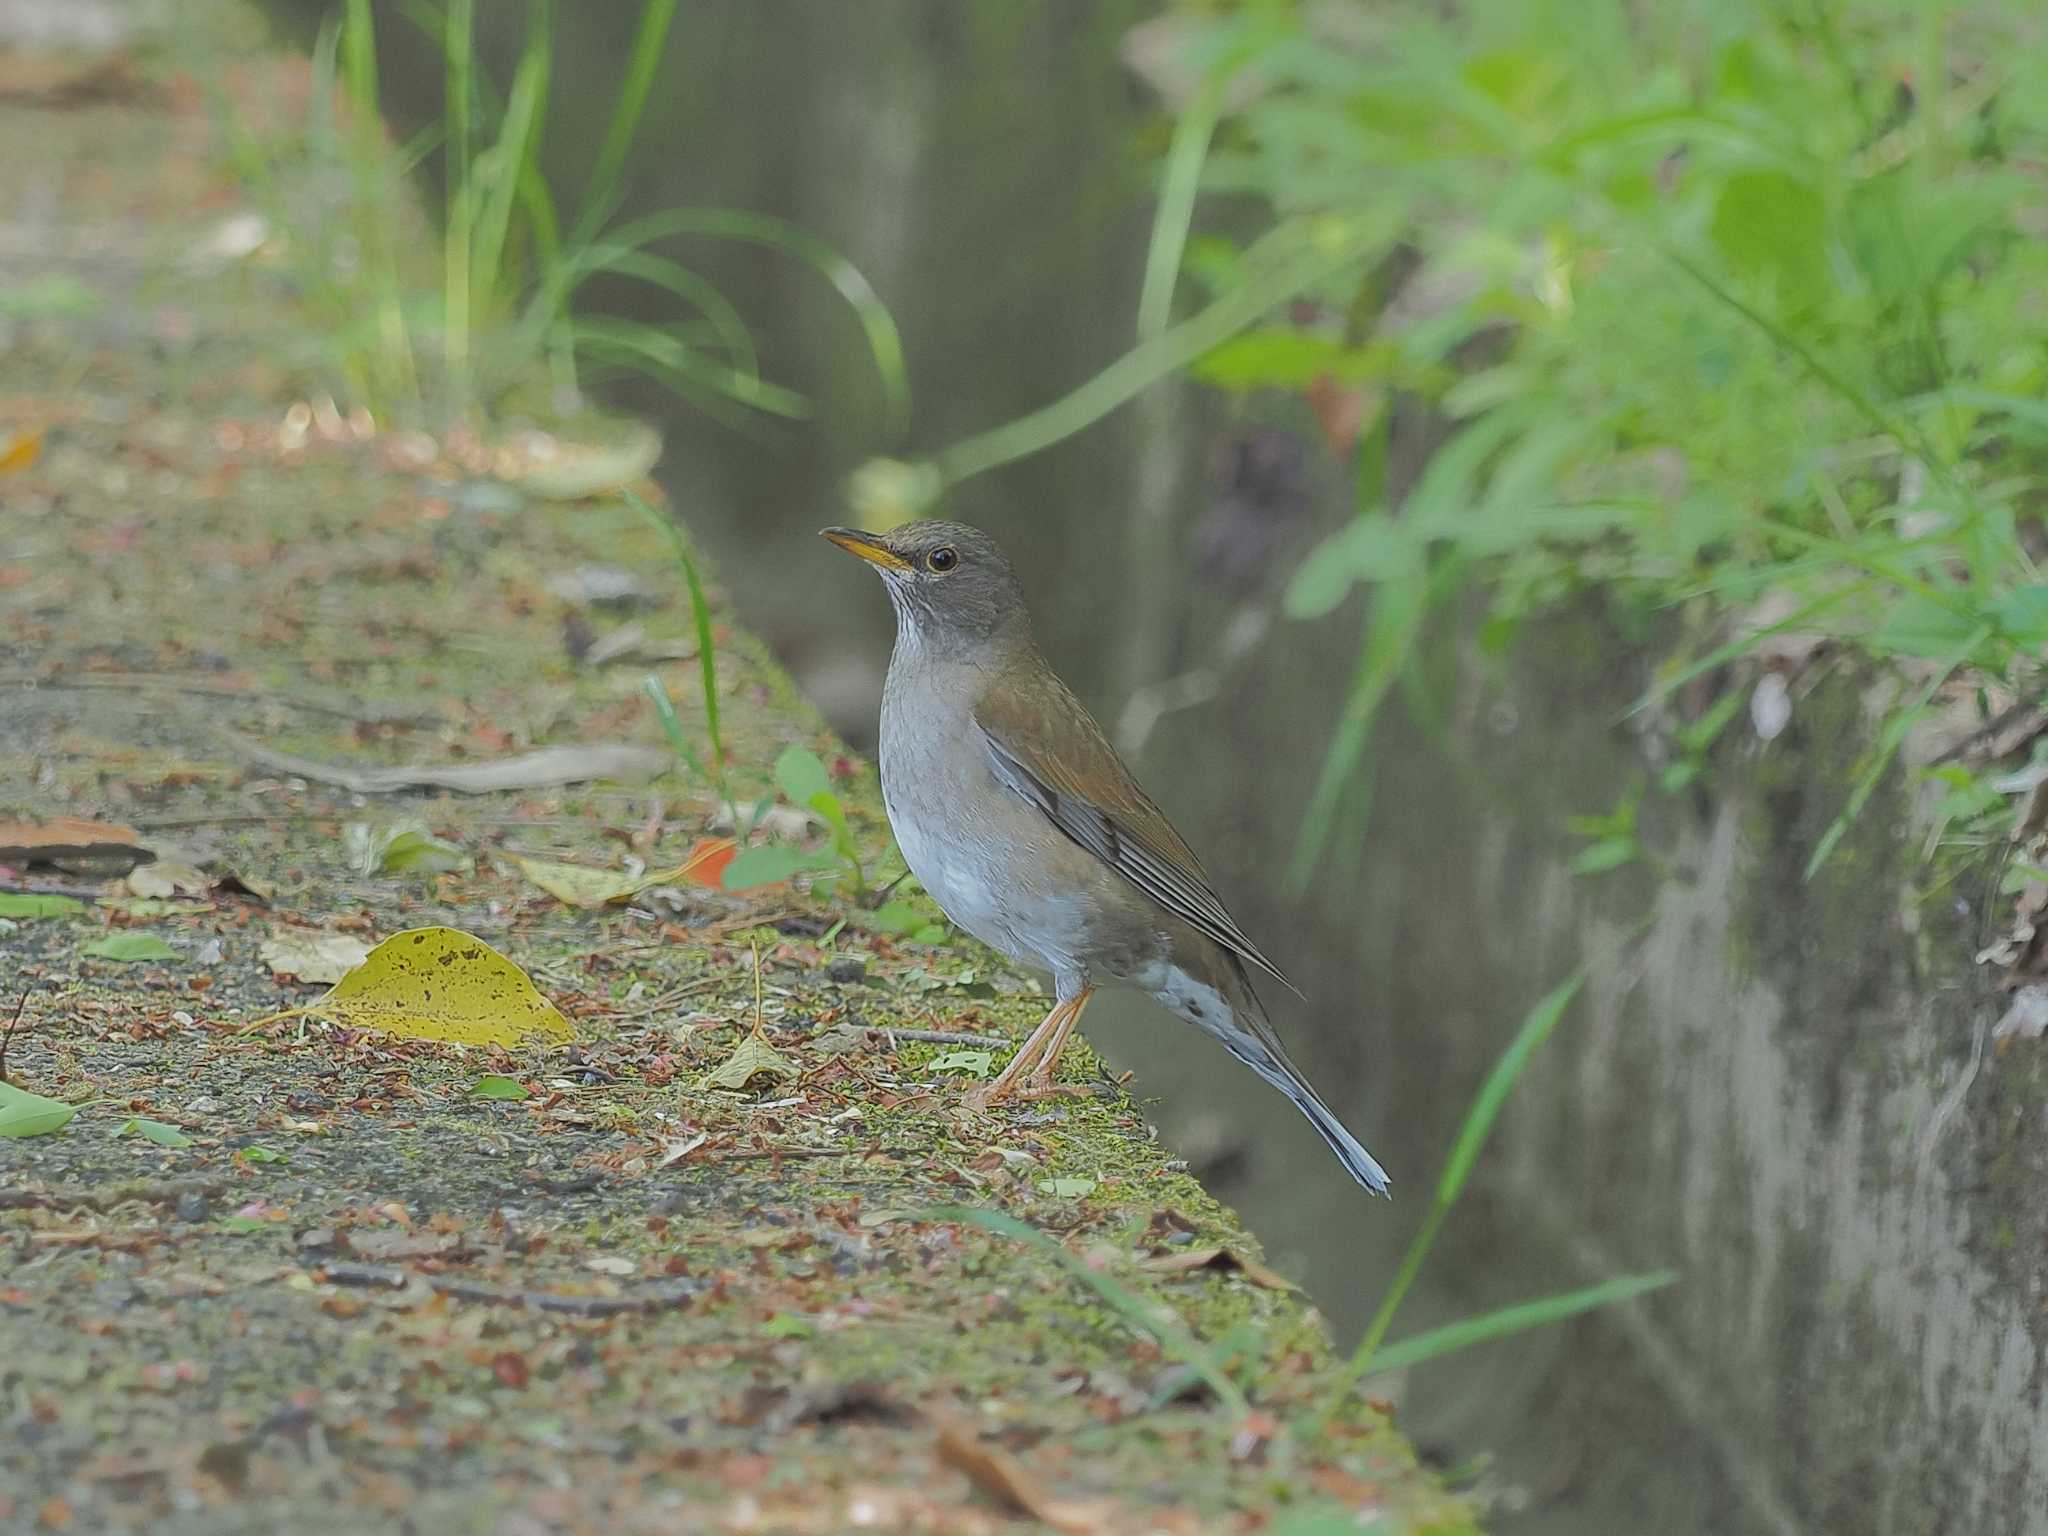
x=948, y=582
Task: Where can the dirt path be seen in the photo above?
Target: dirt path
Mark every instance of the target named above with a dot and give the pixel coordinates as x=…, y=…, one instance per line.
x=361, y=1295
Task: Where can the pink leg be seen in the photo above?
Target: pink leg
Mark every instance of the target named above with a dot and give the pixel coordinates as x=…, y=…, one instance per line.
x=1042, y=1044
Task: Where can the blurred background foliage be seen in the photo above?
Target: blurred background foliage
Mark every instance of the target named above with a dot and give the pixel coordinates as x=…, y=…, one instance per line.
x=1730, y=308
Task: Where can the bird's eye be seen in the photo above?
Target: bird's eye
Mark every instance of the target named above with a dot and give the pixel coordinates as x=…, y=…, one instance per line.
x=942, y=559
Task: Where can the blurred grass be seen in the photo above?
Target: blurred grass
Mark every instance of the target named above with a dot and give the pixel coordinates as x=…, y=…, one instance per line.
x=432, y=343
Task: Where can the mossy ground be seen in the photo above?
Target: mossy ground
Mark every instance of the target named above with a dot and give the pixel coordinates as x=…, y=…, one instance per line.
x=627, y=1302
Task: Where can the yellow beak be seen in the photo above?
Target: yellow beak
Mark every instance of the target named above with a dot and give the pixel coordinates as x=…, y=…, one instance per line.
x=868, y=546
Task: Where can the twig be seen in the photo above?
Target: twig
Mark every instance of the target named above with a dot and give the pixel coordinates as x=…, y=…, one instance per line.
x=7, y=1038
x=148, y=1193
x=942, y=1037
x=139, y=682
x=661, y=1294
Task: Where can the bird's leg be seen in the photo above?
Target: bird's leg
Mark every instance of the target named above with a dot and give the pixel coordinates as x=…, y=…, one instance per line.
x=1039, y=1084
x=1051, y=1027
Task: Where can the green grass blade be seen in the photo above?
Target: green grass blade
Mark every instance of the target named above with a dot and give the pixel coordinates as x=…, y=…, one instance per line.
x=1176, y=211
x=1519, y=1318
x=1536, y=1028
x=1174, y=1338
x=671, y=723
x=1151, y=361
x=707, y=645
x=1896, y=729
x=668, y=357
x=885, y=343
x=643, y=61
x=499, y=171
x=1500, y=1082
x=458, y=44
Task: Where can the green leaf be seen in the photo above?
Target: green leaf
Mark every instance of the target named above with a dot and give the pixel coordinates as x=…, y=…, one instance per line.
x=800, y=775
x=16, y=904
x=30, y=1114
x=1921, y=626
x=1067, y=1189
x=494, y=1085
x=130, y=947
x=966, y=1063
x=1280, y=358
x=896, y=917
x=772, y=864
x=406, y=849
x=785, y=1325
x=154, y=1130
x=1515, y=1319
x=244, y=1226
x=1608, y=853
x=1371, y=548
x=1773, y=226
x=2023, y=614
x=261, y=1154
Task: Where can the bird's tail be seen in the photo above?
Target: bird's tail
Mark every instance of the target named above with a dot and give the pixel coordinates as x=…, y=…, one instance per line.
x=1247, y=1034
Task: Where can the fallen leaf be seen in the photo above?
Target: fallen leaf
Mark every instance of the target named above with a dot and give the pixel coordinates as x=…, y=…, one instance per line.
x=967, y=1063
x=1003, y=1478
x=565, y=471
x=30, y=1114
x=13, y=904
x=548, y=768
x=581, y=886
x=154, y=1130
x=165, y=879
x=1191, y=1259
x=322, y=958
x=130, y=947
x=20, y=451
x=153, y=906
x=443, y=984
x=70, y=840
x=673, y=1152
x=406, y=849
x=751, y=1058
x=495, y=1085
x=1067, y=1189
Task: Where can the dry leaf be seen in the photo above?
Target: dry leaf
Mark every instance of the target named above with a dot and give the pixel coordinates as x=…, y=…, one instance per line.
x=1002, y=1477
x=313, y=957
x=443, y=984
x=167, y=878
x=1191, y=1259
x=70, y=840
x=753, y=1057
x=555, y=470
x=581, y=886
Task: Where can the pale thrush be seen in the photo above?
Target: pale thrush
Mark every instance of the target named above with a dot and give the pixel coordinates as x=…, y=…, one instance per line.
x=1016, y=814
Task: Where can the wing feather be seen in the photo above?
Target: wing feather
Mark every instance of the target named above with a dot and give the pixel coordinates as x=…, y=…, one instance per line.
x=1088, y=793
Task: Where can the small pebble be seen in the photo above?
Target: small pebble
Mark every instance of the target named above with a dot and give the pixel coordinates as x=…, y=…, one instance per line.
x=847, y=969
x=192, y=1206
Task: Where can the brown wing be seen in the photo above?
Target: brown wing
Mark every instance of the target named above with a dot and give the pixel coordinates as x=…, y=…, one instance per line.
x=1086, y=791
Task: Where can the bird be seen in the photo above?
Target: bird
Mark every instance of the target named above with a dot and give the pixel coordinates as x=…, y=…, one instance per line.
x=1016, y=814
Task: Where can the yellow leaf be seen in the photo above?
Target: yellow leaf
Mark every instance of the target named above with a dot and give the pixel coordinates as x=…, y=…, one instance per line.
x=21, y=451
x=581, y=886
x=751, y=1058
x=443, y=984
